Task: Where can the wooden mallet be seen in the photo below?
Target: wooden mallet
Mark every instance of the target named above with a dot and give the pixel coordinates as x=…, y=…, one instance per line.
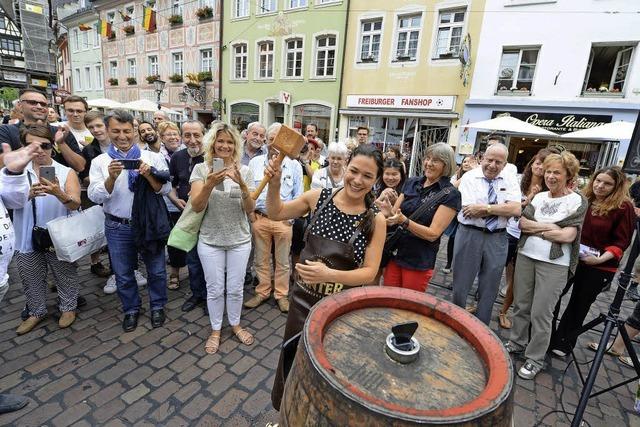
x=289, y=143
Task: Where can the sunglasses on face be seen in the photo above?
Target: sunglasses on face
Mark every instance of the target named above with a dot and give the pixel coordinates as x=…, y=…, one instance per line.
x=33, y=103
x=43, y=145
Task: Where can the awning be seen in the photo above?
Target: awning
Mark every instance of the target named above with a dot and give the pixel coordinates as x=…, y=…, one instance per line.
x=104, y=103
x=614, y=131
x=144, y=105
x=510, y=124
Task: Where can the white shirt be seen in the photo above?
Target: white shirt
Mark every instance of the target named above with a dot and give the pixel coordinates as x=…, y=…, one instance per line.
x=474, y=189
x=80, y=136
x=321, y=179
x=510, y=169
x=550, y=210
x=290, y=182
x=120, y=201
x=14, y=193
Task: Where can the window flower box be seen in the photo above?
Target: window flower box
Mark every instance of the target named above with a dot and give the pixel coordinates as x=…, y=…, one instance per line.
x=205, y=76
x=205, y=12
x=176, y=78
x=129, y=30
x=132, y=81
x=113, y=82
x=175, y=20
x=153, y=78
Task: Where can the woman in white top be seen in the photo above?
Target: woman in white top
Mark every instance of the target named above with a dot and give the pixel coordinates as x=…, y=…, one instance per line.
x=332, y=176
x=224, y=242
x=52, y=200
x=546, y=256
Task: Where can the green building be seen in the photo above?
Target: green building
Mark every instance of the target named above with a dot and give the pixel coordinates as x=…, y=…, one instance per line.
x=282, y=62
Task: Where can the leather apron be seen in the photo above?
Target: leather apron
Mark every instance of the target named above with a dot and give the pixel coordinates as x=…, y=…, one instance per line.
x=335, y=255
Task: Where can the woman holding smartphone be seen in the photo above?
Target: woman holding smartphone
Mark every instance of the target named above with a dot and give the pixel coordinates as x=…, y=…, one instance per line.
x=49, y=199
x=222, y=186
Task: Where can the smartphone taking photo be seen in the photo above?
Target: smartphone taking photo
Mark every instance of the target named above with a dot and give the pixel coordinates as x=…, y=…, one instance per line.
x=130, y=163
x=218, y=165
x=48, y=173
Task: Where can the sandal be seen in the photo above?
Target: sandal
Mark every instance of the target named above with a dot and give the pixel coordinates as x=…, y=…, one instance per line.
x=610, y=351
x=505, y=322
x=213, y=343
x=244, y=336
x=174, y=283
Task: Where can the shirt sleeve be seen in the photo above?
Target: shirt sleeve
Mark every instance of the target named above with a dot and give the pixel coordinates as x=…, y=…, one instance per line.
x=298, y=184
x=161, y=164
x=453, y=200
x=9, y=135
x=467, y=192
x=622, y=231
x=97, y=192
x=197, y=174
x=247, y=176
x=316, y=182
x=513, y=193
x=14, y=189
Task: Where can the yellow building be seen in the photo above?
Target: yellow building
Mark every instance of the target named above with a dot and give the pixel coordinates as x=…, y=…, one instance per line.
x=407, y=71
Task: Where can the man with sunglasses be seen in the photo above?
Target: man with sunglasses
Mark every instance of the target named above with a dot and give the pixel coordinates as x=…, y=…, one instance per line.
x=34, y=107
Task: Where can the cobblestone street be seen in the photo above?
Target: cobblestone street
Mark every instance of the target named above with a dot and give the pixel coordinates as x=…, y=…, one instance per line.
x=94, y=374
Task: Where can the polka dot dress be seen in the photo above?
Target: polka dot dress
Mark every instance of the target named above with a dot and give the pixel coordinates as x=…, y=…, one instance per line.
x=336, y=225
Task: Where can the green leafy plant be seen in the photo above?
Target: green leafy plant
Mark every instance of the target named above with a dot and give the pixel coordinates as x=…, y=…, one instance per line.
x=113, y=82
x=129, y=30
x=132, y=80
x=205, y=76
x=175, y=19
x=204, y=12
x=176, y=78
x=152, y=78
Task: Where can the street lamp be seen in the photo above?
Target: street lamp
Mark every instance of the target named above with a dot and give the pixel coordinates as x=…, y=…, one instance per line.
x=159, y=85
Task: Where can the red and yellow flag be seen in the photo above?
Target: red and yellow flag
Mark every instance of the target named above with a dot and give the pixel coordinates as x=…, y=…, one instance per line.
x=149, y=19
x=84, y=27
x=104, y=27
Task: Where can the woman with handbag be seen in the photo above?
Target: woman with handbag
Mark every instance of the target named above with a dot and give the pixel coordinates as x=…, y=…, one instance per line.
x=224, y=242
x=48, y=200
x=343, y=243
x=421, y=214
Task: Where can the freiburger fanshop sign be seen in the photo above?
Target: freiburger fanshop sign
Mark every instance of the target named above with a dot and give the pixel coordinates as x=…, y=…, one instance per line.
x=558, y=123
x=417, y=102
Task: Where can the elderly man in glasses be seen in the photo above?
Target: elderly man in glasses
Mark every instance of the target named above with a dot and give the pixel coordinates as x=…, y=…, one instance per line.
x=35, y=108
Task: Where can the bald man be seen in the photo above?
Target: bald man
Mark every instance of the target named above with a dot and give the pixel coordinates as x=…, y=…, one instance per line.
x=489, y=197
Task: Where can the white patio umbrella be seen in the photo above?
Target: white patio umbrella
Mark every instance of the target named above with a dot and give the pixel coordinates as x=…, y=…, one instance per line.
x=144, y=105
x=104, y=103
x=511, y=125
x=614, y=131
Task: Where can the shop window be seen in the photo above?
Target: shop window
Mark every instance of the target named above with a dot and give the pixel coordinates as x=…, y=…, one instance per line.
x=240, y=8
x=325, y=56
x=407, y=39
x=244, y=113
x=607, y=70
x=517, y=68
x=370, y=35
x=267, y=6
x=319, y=115
x=450, y=27
x=240, y=61
x=265, y=60
x=293, y=58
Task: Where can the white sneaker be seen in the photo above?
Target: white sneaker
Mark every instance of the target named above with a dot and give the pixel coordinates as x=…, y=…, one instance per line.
x=110, y=287
x=142, y=281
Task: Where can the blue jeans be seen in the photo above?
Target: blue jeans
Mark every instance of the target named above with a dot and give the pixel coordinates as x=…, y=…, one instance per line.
x=124, y=260
x=196, y=274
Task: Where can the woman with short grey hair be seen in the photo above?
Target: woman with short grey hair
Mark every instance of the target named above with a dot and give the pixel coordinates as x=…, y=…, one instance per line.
x=412, y=265
x=332, y=176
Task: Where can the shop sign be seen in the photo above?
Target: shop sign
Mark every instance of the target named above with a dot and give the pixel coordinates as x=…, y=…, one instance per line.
x=33, y=8
x=558, y=122
x=284, y=98
x=14, y=77
x=39, y=82
x=378, y=102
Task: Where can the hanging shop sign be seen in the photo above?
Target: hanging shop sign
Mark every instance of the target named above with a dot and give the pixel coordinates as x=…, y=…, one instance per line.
x=442, y=103
x=558, y=122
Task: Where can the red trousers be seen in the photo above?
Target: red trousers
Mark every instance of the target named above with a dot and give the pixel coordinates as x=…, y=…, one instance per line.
x=401, y=277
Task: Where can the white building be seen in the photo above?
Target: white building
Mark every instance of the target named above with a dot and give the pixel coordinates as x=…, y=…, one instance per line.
x=562, y=65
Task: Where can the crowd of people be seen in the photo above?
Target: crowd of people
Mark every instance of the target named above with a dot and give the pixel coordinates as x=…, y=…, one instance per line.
x=319, y=227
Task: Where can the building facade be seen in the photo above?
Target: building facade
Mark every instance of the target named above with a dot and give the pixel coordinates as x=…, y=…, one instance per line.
x=79, y=20
x=562, y=65
x=185, y=42
x=407, y=71
x=26, y=49
x=282, y=61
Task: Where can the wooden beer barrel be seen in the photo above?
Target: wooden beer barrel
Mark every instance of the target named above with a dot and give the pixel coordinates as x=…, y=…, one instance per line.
x=342, y=376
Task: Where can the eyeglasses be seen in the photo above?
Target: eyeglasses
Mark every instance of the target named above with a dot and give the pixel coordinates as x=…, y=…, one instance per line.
x=43, y=145
x=76, y=111
x=33, y=103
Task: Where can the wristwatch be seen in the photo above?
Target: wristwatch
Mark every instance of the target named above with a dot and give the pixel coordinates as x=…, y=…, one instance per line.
x=405, y=223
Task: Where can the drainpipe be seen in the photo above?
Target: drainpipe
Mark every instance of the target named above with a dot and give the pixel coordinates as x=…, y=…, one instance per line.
x=344, y=47
x=220, y=47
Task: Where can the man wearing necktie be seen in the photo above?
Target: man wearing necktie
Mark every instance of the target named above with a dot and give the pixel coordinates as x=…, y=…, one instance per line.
x=489, y=198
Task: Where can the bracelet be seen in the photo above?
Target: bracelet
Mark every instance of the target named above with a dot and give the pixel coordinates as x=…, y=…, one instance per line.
x=405, y=223
x=489, y=209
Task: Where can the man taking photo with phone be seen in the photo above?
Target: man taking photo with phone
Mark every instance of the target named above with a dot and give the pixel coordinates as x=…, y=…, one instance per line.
x=113, y=187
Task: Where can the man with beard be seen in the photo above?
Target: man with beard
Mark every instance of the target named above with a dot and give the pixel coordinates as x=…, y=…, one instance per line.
x=149, y=137
x=180, y=168
x=254, y=145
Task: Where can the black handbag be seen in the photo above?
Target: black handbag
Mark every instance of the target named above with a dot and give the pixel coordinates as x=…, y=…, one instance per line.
x=393, y=237
x=40, y=237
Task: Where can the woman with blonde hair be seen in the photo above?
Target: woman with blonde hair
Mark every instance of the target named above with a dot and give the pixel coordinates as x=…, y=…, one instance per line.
x=606, y=233
x=547, y=256
x=224, y=242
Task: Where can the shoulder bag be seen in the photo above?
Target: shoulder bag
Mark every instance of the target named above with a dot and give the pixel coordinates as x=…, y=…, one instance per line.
x=40, y=238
